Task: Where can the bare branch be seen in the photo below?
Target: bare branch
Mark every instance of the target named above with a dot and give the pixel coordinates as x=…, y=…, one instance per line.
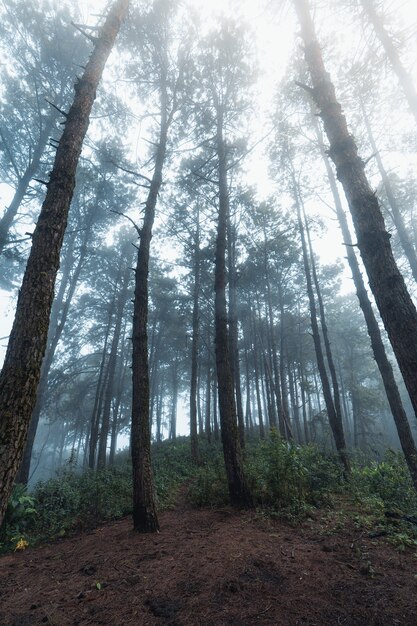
x=57, y=108
x=136, y=227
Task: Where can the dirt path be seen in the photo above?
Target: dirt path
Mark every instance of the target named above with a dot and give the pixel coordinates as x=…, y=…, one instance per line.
x=211, y=568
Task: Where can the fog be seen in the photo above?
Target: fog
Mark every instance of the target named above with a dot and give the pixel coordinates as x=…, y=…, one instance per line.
x=190, y=88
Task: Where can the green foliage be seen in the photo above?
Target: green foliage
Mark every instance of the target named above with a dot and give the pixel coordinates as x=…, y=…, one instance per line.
x=74, y=501
x=290, y=479
x=77, y=501
x=287, y=480
x=172, y=467
x=18, y=521
x=387, y=481
x=209, y=485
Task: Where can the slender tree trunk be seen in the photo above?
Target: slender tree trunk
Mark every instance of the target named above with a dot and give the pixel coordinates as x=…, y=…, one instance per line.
x=95, y=415
x=20, y=375
x=208, y=404
x=282, y=374
x=303, y=385
x=173, y=418
x=404, y=77
x=238, y=488
x=144, y=505
x=118, y=402
x=248, y=411
x=195, y=456
x=199, y=411
x=233, y=329
x=391, y=389
x=294, y=402
x=257, y=377
x=108, y=396
x=325, y=332
x=275, y=366
x=387, y=284
x=334, y=419
x=216, y=429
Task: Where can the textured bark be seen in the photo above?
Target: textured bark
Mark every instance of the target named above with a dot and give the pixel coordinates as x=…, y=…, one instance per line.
x=238, y=488
x=404, y=77
x=144, y=503
x=391, y=389
x=334, y=420
x=397, y=310
x=58, y=320
x=21, y=370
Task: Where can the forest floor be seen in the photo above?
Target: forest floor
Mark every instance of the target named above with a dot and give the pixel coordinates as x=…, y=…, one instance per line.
x=212, y=568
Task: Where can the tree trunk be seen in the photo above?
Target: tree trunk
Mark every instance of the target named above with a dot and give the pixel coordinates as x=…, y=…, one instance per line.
x=144, y=505
x=257, y=377
x=325, y=332
x=21, y=370
x=173, y=418
x=387, y=284
x=208, y=404
x=238, y=488
x=233, y=329
x=116, y=407
x=108, y=396
x=391, y=389
x=334, y=420
x=195, y=455
x=58, y=320
x=95, y=415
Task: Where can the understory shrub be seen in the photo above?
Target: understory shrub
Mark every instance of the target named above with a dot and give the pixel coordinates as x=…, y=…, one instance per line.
x=18, y=520
x=288, y=478
x=387, y=481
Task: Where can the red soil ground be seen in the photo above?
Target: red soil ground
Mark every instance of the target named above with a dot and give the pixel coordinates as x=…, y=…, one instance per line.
x=213, y=568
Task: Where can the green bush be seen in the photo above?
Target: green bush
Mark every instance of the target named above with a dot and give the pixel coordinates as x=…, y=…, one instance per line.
x=19, y=519
x=209, y=485
x=388, y=481
x=289, y=478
